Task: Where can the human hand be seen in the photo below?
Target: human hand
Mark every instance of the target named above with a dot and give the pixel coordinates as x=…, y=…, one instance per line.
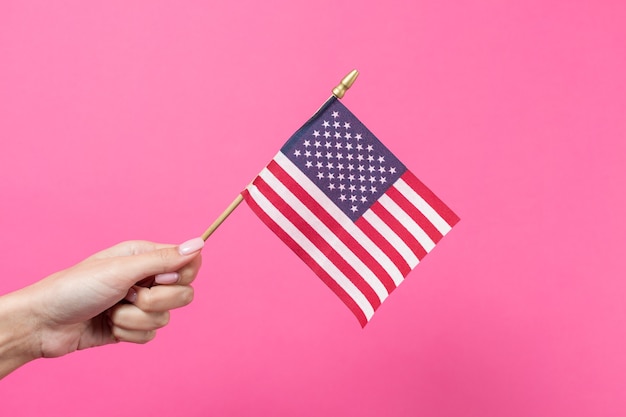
x=123, y=293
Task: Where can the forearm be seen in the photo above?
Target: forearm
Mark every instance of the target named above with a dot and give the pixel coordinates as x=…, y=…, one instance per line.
x=18, y=341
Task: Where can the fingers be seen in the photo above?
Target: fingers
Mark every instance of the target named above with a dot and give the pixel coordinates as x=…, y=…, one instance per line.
x=130, y=317
x=138, y=322
x=141, y=262
x=129, y=248
x=162, y=297
x=185, y=276
x=132, y=336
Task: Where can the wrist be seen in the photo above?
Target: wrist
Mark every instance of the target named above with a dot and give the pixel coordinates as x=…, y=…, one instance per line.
x=18, y=332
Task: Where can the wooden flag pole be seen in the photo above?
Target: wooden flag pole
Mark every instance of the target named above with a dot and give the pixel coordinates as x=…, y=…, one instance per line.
x=208, y=232
x=339, y=91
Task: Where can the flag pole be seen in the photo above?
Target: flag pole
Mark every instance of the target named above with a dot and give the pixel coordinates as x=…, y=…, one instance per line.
x=339, y=91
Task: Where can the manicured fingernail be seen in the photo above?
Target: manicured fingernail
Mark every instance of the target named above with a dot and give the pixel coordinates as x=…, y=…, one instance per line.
x=167, y=278
x=191, y=246
x=132, y=295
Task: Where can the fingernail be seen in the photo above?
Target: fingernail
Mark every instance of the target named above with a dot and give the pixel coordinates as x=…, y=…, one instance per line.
x=191, y=246
x=131, y=296
x=167, y=278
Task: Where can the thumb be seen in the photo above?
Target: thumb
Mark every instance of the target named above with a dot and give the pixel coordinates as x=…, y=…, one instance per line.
x=134, y=268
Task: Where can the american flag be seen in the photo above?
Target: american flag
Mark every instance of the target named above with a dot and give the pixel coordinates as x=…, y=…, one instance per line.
x=348, y=208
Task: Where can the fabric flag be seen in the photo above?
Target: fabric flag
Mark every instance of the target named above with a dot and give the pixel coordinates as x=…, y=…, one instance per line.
x=348, y=208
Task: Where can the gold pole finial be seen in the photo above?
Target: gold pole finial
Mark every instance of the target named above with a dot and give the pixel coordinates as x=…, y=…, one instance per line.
x=346, y=83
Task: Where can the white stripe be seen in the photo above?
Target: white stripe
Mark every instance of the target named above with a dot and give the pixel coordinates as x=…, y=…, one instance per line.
x=336, y=213
x=392, y=237
x=312, y=250
x=407, y=221
x=421, y=204
x=327, y=234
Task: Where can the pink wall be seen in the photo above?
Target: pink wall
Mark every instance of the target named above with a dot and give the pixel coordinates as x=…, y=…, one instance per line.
x=144, y=119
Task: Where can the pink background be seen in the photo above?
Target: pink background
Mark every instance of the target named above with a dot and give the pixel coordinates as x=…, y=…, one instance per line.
x=144, y=119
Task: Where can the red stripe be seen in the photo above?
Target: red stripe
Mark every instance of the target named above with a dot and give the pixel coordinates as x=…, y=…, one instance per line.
x=434, y=201
x=319, y=241
x=384, y=245
x=303, y=254
x=415, y=214
x=399, y=229
x=343, y=235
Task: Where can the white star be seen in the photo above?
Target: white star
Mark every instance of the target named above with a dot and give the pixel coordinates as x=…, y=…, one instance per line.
x=318, y=154
x=371, y=168
x=359, y=157
x=307, y=154
x=372, y=189
x=381, y=159
x=307, y=143
x=320, y=176
x=328, y=145
x=353, y=198
x=297, y=152
x=335, y=114
x=342, y=197
x=361, y=178
x=348, y=146
x=329, y=155
x=383, y=180
x=308, y=164
x=339, y=156
x=392, y=170
x=342, y=187
x=358, y=136
x=326, y=134
x=348, y=135
x=350, y=167
x=352, y=187
x=370, y=148
x=317, y=144
x=329, y=165
x=359, y=147
x=316, y=133
x=354, y=209
x=370, y=158
x=336, y=125
x=330, y=176
x=341, y=177
x=337, y=135
x=350, y=157
x=361, y=168
x=338, y=145
x=331, y=186
x=339, y=166
x=346, y=125
x=381, y=169
x=363, y=199
x=319, y=165
x=326, y=123
x=362, y=188
x=372, y=179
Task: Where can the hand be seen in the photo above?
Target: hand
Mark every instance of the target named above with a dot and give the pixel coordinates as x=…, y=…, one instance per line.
x=123, y=293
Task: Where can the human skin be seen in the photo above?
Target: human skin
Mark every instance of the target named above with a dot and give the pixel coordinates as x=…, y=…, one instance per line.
x=121, y=294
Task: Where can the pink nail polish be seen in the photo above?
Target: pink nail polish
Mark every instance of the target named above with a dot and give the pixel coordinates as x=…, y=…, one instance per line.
x=131, y=296
x=167, y=278
x=191, y=246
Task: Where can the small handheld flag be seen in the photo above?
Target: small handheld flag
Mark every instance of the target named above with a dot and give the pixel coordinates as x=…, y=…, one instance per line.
x=348, y=207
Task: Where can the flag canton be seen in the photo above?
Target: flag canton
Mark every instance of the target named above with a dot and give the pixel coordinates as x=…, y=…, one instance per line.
x=344, y=159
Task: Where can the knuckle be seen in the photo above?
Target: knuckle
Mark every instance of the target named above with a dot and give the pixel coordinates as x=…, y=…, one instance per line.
x=163, y=319
x=147, y=336
x=186, y=296
x=145, y=300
